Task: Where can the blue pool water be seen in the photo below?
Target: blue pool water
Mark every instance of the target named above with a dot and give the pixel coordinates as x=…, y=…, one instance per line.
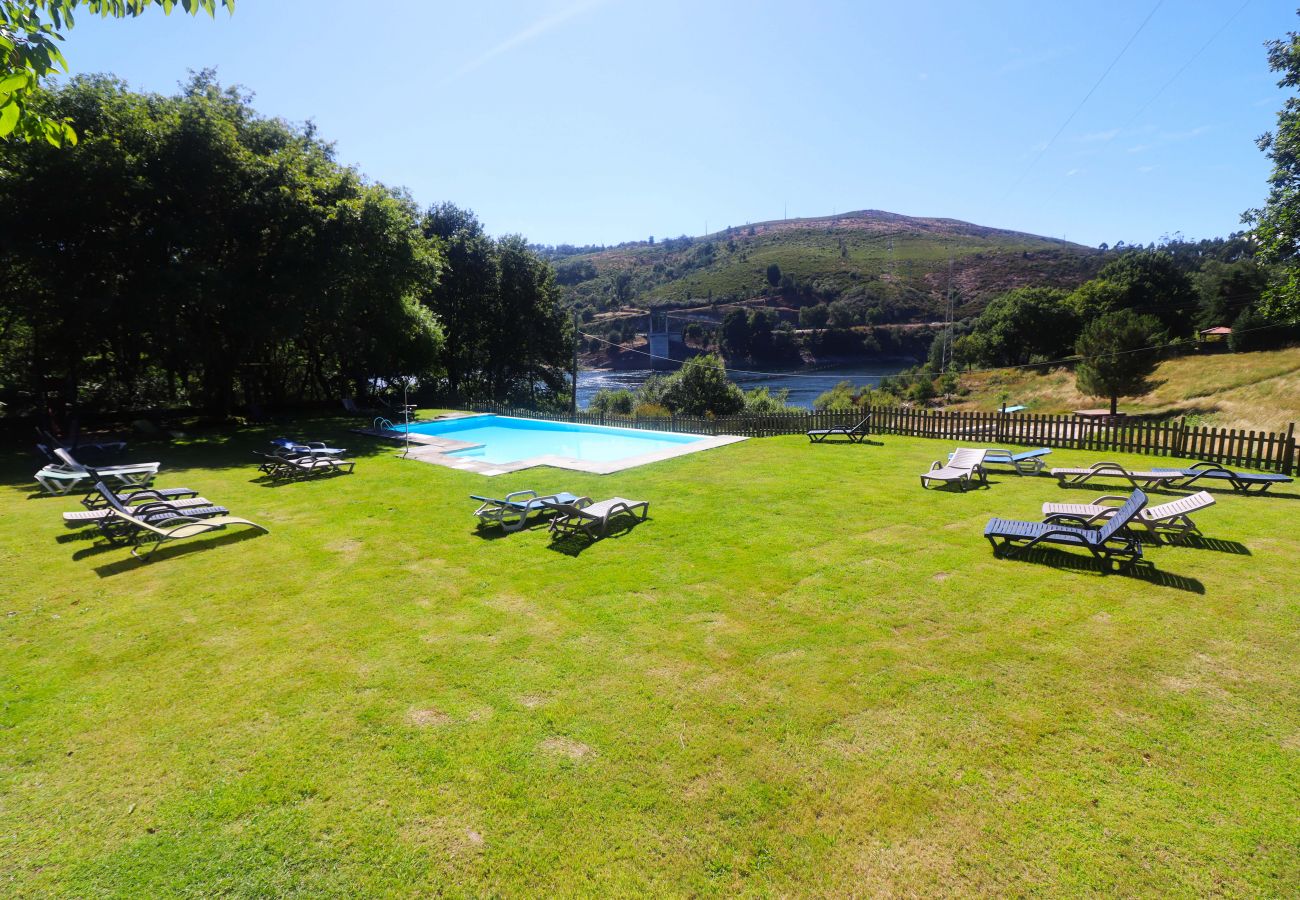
x=505, y=439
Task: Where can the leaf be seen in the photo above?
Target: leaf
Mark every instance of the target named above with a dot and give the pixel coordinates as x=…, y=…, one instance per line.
x=53, y=133
x=15, y=82
x=8, y=118
x=69, y=135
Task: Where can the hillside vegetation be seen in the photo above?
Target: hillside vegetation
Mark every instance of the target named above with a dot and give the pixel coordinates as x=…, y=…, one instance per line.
x=1252, y=391
x=896, y=265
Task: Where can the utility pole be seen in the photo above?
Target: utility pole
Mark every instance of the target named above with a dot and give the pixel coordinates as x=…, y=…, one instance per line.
x=573, y=400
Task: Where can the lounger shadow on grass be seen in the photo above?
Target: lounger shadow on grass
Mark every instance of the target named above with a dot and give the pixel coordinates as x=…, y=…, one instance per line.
x=1140, y=571
x=574, y=544
x=1200, y=542
x=856, y=443
x=496, y=533
x=171, y=551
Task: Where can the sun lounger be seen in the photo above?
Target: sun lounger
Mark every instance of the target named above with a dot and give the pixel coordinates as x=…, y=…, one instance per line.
x=94, y=500
x=512, y=513
x=1026, y=462
x=68, y=474
x=1240, y=481
x=856, y=434
x=964, y=466
x=104, y=448
x=140, y=531
x=91, y=516
x=593, y=519
x=307, y=448
x=285, y=467
x=350, y=406
x=156, y=512
x=1110, y=541
x=1172, y=516
x=1145, y=479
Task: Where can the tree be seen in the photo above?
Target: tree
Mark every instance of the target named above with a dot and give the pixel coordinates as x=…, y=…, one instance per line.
x=29, y=30
x=1226, y=289
x=1151, y=282
x=1277, y=224
x=774, y=275
x=1116, y=361
x=462, y=298
x=189, y=251
x=701, y=387
x=814, y=316
x=506, y=338
x=609, y=402
x=737, y=333
x=1022, y=326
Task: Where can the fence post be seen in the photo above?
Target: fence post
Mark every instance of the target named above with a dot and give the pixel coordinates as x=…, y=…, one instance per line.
x=1288, y=451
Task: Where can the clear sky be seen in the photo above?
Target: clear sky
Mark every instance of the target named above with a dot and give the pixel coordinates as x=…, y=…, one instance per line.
x=599, y=121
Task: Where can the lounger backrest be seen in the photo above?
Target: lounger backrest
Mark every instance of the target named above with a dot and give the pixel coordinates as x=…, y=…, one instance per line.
x=966, y=458
x=66, y=458
x=1123, y=516
x=111, y=498
x=1182, y=506
x=861, y=426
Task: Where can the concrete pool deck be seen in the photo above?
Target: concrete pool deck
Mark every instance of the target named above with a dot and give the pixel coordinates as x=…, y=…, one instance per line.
x=432, y=449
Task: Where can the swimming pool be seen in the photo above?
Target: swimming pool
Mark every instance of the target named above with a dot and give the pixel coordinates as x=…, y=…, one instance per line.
x=506, y=441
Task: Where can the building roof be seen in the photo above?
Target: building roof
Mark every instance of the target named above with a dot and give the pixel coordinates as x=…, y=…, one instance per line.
x=1217, y=329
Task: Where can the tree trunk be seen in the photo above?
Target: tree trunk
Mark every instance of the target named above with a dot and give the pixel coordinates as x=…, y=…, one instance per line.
x=1114, y=405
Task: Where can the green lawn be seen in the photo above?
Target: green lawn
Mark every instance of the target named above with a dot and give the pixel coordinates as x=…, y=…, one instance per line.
x=802, y=675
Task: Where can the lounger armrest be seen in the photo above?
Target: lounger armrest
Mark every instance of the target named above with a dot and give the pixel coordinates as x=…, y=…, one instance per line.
x=935, y=465
x=134, y=497
x=1104, y=497
x=515, y=495
x=144, y=510
x=583, y=502
x=1062, y=531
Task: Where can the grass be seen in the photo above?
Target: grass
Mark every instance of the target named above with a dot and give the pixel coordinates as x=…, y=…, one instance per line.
x=801, y=675
x=1257, y=391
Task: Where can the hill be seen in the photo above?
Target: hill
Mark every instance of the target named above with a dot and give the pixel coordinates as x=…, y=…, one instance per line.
x=1257, y=391
x=890, y=267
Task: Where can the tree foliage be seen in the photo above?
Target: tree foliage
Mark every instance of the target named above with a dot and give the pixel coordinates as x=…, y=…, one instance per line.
x=1019, y=327
x=191, y=251
x=1152, y=283
x=29, y=52
x=1116, y=359
x=1277, y=224
x=701, y=387
x=498, y=302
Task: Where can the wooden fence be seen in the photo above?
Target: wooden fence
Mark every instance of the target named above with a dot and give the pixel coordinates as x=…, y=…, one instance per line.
x=1268, y=450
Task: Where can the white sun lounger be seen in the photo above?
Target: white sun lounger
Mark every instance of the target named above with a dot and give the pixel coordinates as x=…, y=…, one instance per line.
x=1149, y=479
x=69, y=474
x=1172, y=516
x=1026, y=462
x=964, y=466
x=593, y=519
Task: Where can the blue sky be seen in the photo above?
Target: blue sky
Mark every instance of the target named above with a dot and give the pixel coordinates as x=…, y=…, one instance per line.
x=585, y=121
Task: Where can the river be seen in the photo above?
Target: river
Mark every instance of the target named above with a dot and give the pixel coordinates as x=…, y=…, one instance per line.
x=804, y=384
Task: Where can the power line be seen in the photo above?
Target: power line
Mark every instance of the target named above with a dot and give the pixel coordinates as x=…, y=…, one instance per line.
x=1143, y=108
x=1085, y=99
